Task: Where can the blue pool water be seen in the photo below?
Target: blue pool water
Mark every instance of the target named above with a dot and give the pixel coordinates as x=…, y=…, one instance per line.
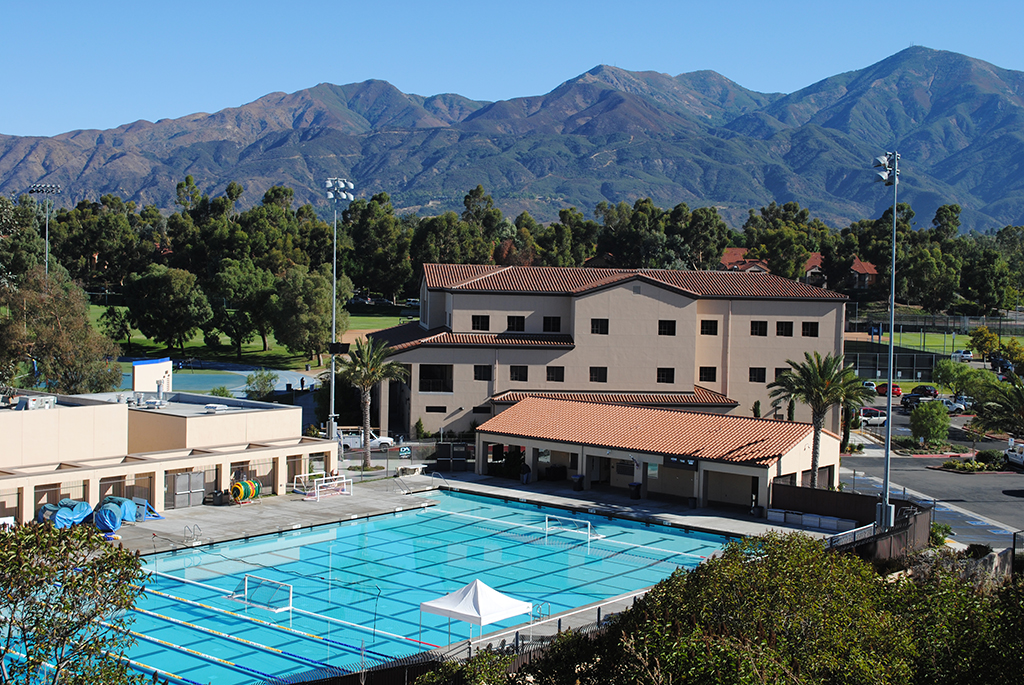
x=357, y=586
x=183, y=381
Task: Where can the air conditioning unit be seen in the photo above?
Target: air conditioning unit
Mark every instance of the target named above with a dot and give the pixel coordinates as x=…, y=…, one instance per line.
x=35, y=403
x=216, y=408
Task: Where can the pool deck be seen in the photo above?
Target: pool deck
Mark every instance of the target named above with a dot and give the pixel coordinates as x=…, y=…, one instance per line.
x=384, y=496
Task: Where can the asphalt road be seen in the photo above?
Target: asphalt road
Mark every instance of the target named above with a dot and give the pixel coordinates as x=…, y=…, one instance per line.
x=995, y=496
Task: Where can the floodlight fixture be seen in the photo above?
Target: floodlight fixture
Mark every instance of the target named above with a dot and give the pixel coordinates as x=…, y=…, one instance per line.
x=46, y=189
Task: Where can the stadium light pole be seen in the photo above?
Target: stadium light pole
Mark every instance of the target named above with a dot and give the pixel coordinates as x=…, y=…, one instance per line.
x=46, y=189
x=337, y=189
x=890, y=175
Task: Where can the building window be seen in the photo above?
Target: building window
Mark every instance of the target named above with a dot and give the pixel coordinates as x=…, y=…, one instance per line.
x=666, y=375
x=780, y=370
x=482, y=409
x=481, y=322
x=435, y=378
x=598, y=374
x=436, y=409
x=708, y=374
x=759, y=328
x=667, y=327
x=758, y=374
x=810, y=329
x=709, y=327
x=518, y=373
x=552, y=324
x=784, y=329
x=599, y=326
x=517, y=324
x=556, y=374
x=481, y=372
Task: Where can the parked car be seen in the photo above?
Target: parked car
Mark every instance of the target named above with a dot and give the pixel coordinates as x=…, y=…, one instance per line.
x=869, y=416
x=354, y=440
x=965, y=400
x=952, y=407
x=928, y=390
x=911, y=401
x=870, y=385
x=883, y=389
x=962, y=356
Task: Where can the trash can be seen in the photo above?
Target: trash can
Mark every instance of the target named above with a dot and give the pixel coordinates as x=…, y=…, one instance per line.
x=692, y=502
x=577, y=483
x=634, y=490
x=218, y=498
x=307, y=367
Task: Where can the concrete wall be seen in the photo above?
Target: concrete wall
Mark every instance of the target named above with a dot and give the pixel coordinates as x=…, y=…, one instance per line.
x=145, y=375
x=153, y=430
x=83, y=479
x=85, y=431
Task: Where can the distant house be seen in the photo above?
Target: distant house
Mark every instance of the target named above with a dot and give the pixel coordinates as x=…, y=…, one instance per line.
x=735, y=259
x=862, y=275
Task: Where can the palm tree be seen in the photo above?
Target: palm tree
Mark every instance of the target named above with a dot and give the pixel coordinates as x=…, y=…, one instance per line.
x=366, y=366
x=821, y=383
x=1002, y=407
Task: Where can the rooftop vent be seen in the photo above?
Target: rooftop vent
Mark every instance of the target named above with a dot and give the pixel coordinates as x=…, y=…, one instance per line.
x=216, y=408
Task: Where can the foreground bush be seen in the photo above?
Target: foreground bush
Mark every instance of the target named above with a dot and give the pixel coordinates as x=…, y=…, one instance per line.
x=783, y=610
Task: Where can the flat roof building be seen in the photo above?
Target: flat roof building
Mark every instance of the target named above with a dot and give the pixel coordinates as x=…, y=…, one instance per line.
x=171, y=450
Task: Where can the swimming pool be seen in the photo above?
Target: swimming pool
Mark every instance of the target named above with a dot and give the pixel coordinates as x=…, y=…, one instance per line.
x=356, y=586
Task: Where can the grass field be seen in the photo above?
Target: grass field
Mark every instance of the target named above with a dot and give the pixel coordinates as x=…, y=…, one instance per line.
x=932, y=343
x=277, y=357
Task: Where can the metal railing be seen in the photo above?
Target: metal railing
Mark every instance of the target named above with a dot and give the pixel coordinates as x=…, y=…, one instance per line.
x=850, y=537
x=191, y=534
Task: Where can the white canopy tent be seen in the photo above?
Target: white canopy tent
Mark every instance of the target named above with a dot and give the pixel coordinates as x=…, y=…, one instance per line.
x=476, y=604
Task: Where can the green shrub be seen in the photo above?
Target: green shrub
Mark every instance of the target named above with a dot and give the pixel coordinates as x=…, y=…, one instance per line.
x=421, y=432
x=939, y=533
x=930, y=421
x=977, y=551
x=991, y=457
x=220, y=391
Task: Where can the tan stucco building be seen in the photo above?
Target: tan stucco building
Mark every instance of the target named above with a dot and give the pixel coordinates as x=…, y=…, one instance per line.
x=170, y=450
x=708, y=340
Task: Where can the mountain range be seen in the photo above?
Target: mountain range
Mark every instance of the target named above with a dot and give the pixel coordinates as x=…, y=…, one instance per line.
x=608, y=134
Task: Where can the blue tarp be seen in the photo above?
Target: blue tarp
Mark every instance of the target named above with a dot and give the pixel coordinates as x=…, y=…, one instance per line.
x=108, y=517
x=65, y=514
x=128, y=507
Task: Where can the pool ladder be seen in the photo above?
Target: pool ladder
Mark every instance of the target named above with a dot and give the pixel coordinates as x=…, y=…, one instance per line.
x=191, y=534
x=437, y=474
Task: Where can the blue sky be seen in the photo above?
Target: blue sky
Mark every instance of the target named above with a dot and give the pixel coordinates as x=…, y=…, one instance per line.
x=76, y=65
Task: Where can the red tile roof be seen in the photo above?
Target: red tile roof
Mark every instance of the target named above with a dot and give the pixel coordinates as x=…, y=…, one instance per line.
x=714, y=437
x=577, y=280
x=700, y=396
x=410, y=335
x=863, y=267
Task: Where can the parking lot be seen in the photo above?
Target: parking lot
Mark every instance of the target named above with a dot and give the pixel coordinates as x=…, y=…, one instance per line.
x=983, y=507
